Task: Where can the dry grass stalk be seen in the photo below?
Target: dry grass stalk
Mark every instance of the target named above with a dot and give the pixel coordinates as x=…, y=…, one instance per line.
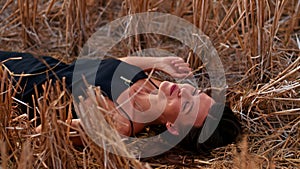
x=52, y=148
x=103, y=132
x=258, y=42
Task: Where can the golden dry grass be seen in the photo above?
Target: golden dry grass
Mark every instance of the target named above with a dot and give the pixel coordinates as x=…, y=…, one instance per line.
x=257, y=41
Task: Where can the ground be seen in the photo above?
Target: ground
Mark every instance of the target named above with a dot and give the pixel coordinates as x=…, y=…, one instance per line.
x=258, y=43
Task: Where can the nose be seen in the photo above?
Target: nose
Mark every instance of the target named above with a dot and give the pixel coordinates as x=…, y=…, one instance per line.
x=187, y=91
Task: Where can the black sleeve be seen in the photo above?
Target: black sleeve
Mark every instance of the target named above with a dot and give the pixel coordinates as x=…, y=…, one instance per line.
x=112, y=75
x=32, y=71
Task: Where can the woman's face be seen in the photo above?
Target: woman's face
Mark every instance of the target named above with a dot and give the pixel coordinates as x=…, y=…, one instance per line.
x=179, y=104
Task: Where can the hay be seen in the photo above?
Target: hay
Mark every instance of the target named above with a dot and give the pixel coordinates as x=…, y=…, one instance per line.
x=257, y=41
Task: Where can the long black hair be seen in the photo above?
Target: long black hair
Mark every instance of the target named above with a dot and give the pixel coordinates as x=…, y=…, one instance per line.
x=221, y=127
x=206, y=138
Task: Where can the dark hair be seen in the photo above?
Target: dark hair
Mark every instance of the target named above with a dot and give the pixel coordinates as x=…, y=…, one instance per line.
x=226, y=131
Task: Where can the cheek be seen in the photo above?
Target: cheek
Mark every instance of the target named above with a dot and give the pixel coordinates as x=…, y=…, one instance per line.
x=172, y=110
x=198, y=122
x=191, y=119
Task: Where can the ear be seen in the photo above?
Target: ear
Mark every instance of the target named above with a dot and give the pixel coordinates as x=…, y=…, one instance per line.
x=172, y=129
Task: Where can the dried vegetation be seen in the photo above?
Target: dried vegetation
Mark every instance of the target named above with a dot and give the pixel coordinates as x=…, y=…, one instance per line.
x=257, y=41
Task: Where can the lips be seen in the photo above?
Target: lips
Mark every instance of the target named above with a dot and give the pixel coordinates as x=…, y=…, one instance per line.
x=173, y=88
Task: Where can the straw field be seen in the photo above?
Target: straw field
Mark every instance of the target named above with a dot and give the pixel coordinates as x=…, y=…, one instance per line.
x=258, y=42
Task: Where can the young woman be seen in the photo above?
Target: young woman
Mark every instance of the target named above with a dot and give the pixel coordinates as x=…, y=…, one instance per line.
x=140, y=100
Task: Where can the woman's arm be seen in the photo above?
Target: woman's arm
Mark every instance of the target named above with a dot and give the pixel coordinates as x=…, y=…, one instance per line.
x=174, y=66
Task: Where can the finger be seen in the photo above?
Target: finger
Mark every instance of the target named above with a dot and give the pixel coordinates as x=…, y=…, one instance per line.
x=177, y=60
x=76, y=123
x=182, y=65
x=38, y=129
x=184, y=69
x=183, y=75
x=178, y=75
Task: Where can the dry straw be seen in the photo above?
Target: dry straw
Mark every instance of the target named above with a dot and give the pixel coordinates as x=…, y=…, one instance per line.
x=258, y=42
x=52, y=147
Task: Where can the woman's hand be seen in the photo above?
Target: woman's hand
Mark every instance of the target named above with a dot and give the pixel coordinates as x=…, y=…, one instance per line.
x=174, y=66
x=75, y=127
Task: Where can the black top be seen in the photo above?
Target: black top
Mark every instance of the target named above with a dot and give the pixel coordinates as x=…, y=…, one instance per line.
x=112, y=75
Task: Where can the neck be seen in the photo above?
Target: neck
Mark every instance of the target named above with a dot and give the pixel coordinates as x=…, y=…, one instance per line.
x=124, y=121
x=140, y=115
x=160, y=120
x=127, y=118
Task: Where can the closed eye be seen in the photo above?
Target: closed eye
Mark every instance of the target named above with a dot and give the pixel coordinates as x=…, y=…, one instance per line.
x=187, y=107
x=184, y=106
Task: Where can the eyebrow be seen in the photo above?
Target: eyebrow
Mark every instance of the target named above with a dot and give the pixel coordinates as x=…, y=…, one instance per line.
x=195, y=91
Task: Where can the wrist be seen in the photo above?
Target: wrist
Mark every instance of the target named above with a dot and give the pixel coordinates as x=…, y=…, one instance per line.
x=158, y=63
